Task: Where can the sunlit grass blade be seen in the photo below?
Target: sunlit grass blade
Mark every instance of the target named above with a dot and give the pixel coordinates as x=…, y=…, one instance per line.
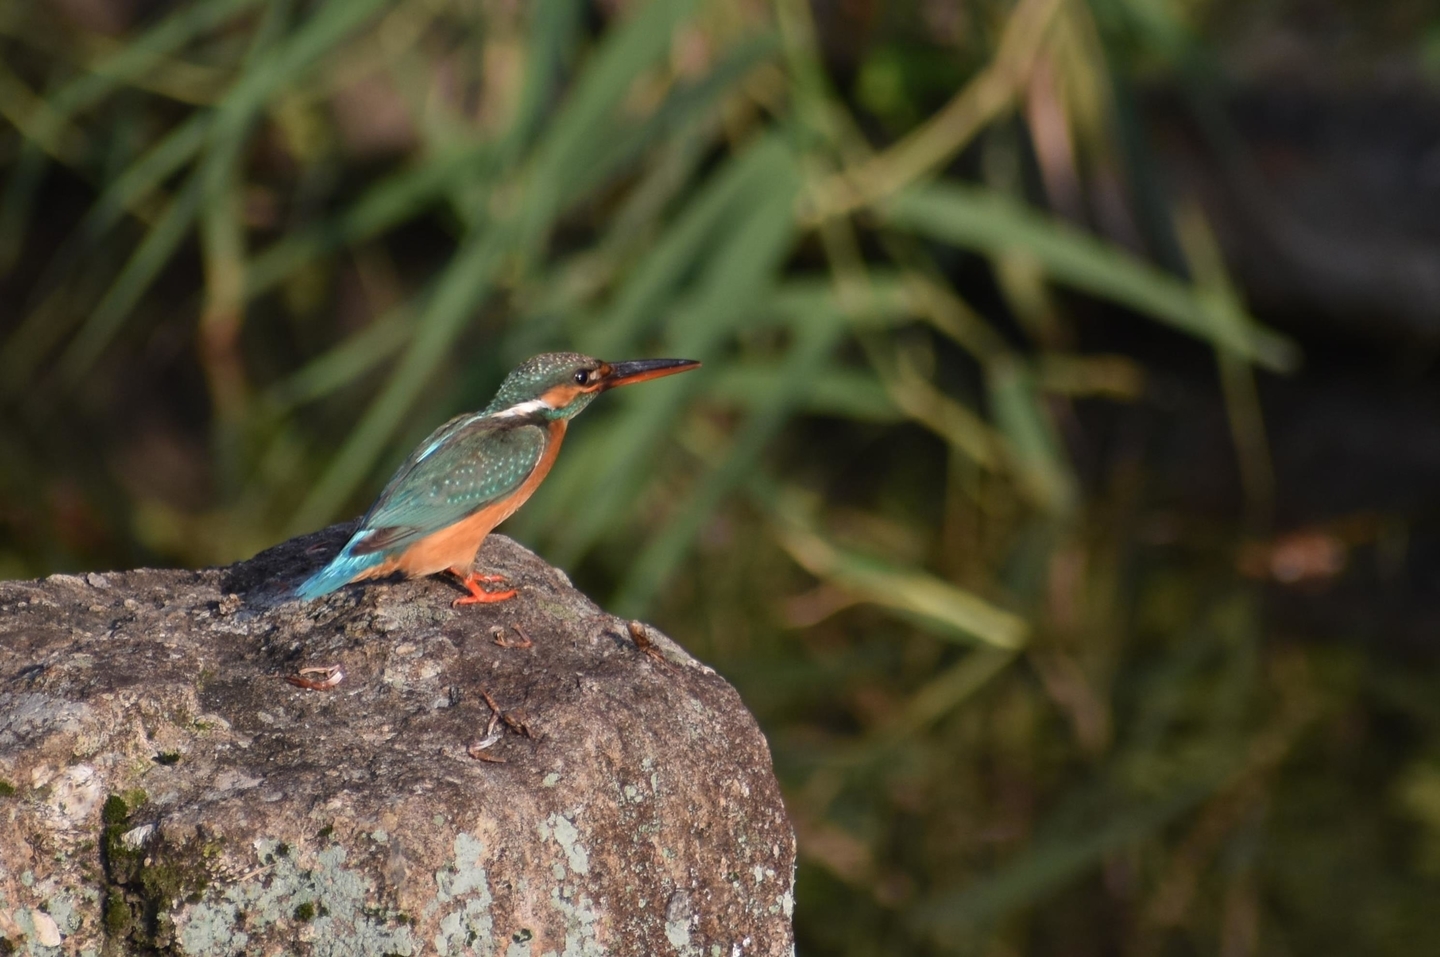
x=684, y=104
x=726, y=294
x=962, y=428
x=977, y=104
x=149, y=258
x=991, y=223
x=946, y=609
x=725, y=196
x=140, y=54
x=1040, y=463
x=564, y=157
x=814, y=342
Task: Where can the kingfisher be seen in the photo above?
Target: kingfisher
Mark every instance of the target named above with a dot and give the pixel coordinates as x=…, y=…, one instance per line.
x=473, y=472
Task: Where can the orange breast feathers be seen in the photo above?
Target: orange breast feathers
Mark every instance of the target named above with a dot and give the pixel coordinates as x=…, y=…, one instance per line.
x=456, y=545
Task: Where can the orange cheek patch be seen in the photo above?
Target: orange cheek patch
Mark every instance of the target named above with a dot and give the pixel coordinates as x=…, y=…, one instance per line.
x=558, y=397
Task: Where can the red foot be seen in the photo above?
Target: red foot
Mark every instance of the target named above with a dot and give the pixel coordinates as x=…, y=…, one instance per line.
x=478, y=595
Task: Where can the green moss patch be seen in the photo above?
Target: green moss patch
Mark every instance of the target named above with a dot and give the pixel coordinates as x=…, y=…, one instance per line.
x=143, y=881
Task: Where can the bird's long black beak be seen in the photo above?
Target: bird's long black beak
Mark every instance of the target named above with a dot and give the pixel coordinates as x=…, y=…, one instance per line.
x=639, y=370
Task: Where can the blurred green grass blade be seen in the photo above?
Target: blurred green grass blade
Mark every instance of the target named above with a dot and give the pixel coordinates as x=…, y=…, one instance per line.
x=266, y=72
x=21, y=191
x=948, y=690
x=347, y=361
x=404, y=195
x=564, y=308
x=145, y=175
x=693, y=243
x=647, y=574
x=949, y=610
x=390, y=202
x=962, y=428
x=833, y=391
x=727, y=294
x=555, y=28
x=1044, y=868
x=636, y=221
x=1040, y=463
x=45, y=327
x=275, y=63
x=137, y=56
x=144, y=265
x=885, y=303
x=629, y=48
x=676, y=255
x=817, y=322
x=1149, y=202
x=926, y=706
x=1237, y=379
x=565, y=155
x=684, y=104
x=991, y=223
x=130, y=60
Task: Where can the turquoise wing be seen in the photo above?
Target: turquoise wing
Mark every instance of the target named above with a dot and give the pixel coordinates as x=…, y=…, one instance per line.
x=465, y=465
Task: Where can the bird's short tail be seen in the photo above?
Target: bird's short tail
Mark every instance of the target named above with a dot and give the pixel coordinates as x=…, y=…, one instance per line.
x=343, y=569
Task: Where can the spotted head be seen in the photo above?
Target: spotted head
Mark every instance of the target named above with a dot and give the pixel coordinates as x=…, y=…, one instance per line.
x=559, y=385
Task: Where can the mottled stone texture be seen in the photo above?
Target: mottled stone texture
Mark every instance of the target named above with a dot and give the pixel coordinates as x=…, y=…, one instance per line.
x=164, y=790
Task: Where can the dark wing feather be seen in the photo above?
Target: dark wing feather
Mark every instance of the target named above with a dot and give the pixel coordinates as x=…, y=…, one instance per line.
x=465, y=465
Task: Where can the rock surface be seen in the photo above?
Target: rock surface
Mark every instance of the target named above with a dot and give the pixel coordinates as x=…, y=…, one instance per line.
x=164, y=790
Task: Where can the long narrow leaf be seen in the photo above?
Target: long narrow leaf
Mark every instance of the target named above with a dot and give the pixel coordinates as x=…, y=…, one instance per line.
x=990, y=223
x=950, y=611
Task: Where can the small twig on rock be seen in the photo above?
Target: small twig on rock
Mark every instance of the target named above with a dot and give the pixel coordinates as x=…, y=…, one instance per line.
x=641, y=636
x=499, y=635
x=249, y=875
x=515, y=724
x=333, y=676
x=492, y=735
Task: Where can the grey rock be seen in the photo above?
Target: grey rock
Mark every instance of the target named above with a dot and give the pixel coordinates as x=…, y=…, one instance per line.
x=164, y=790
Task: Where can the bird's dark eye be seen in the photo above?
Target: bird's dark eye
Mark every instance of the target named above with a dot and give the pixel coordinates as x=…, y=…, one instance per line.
x=582, y=377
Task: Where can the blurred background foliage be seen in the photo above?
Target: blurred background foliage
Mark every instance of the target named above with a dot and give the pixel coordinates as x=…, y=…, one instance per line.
x=1083, y=616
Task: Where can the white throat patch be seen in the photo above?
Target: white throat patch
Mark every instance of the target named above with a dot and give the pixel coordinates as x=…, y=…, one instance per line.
x=528, y=407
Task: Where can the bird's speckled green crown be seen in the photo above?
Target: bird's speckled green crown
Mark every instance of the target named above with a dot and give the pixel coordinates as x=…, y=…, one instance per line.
x=533, y=377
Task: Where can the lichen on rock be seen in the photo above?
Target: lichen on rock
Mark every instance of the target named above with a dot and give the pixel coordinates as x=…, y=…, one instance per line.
x=164, y=791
